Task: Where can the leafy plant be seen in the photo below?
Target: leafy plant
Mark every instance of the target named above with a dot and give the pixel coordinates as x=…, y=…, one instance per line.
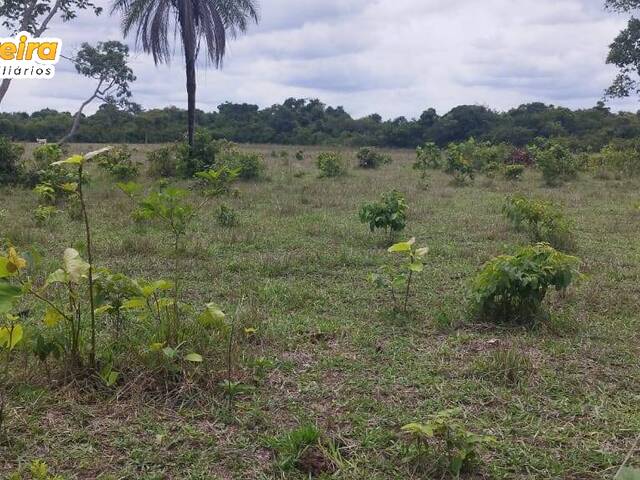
x=249, y=165
x=118, y=163
x=78, y=161
x=542, y=221
x=512, y=288
x=45, y=155
x=369, y=157
x=226, y=216
x=458, y=166
x=390, y=213
x=396, y=279
x=163, y=162
x=10, y=154
x=170, y=206
x=513, y=172
x=444, y=436
x=428, y=157
x=331, y=164
x=557, y=163
x=43, y=213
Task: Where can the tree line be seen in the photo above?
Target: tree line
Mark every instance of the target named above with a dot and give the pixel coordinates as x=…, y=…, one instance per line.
x=310, y=122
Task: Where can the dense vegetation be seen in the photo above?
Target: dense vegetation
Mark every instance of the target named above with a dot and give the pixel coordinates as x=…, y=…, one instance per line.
x=309, y=122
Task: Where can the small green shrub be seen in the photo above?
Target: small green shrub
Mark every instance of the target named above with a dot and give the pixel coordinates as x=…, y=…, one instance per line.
x=118, y=163
x=428, y=156
x=513, y=172
x=331, y=164
x=203, y=156
x=250, y=165
x=45, y=155
x=226, y=216
x=557, y=163
x=390, y=213
x=512, y=288
x=369, y=157
x=43, y=213
x=10, y=154
x=444, y=437
x=542, y=221
x=458, y=165
x=163, y=162
x=396, y=279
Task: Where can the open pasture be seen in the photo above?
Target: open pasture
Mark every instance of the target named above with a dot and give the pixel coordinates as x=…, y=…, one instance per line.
x=320, y=345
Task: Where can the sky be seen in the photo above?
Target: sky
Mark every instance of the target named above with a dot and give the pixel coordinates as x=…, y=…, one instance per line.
x=392, y=57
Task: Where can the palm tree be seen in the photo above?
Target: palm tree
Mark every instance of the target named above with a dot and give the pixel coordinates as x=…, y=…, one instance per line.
x=197, y=21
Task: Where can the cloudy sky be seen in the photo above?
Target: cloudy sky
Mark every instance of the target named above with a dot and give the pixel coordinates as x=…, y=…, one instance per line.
x=393, y=57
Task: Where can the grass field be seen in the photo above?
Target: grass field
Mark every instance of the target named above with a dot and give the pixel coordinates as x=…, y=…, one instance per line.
x=338, y=358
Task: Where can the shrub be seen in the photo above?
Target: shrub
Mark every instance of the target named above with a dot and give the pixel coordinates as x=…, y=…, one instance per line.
x=624, y=160
x=226, y=216
x=250, y=165
x=397, y=279
x=458, y=166
x=557, y=163
x=542, y=221
x=331, y=164
x=163, y=162
x=372, y=158
x=429, y=156
x=45, y=155
x=480, y=154
x=118, y=163
x=390, y=213
x=448, y=439
x=513, y=172
x=512, y=288
x=202, y=156
x=520, y=156
x=10, y=154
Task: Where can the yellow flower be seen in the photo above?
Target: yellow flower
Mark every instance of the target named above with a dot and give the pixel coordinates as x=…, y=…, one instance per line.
x=16, y=263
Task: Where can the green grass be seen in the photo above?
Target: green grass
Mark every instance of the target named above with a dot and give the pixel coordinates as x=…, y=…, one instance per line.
x=340, y=360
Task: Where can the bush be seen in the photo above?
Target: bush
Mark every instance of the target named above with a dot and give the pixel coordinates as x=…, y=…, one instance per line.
x=331, y=164
x=10, y=154
x=202, y=156
x=250, y=165
x=481, y=154
x=163, y=162
x=557, y=163
x=513, y=172
x=390, y=213
x=623, y=160
x=118, y=163
x=511, y=288
x=429, y=156
x=45, y=155
x=458, y=166
x=543, y=221
x=520, y=156
x=372, y=158
x=226, y=216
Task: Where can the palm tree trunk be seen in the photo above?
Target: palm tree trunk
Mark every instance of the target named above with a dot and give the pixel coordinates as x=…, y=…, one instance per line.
x=187, y=29
x=191, y=98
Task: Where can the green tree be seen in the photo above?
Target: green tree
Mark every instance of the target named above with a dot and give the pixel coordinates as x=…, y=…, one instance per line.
x=200, y=23
x=624, y=52
x=105, y=63
x=34, y=16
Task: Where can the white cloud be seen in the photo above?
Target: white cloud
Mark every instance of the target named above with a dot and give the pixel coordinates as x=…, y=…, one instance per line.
x=394, y=57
